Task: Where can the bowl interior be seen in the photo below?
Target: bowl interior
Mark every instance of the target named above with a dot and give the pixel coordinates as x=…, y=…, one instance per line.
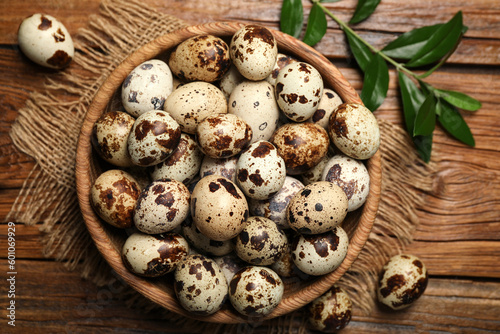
x=109, y=240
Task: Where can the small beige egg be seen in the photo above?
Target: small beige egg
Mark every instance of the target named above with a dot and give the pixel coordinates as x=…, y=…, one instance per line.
x=183, y=164
x=230, y=264
x=327, y=105
x=193, y=102
x=331, y=311
x=46, y=41
x=281, y=61
x=162, y=206
x=351, y=175
x=200, y=285
x=153, y=255
x=260, y=171
x=253, y=102
x=223, y=135
x=230, y=80
x=147, y=87
x=317, y=208
x=299, y=88
x=109, y=137
x=403, y=280
x=276, y=206
x=219, y=166
x=261, y=242
x=218, y=208
x=203, y=243
x=153, y=138
x=253, y=50
x=302, y=145
x=114, y=195
x=354, y=130
x=200, y=58
x=320, y=254
x=255, y=291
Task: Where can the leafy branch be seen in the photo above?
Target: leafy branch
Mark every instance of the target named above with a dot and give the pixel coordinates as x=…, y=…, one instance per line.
x=423, y=104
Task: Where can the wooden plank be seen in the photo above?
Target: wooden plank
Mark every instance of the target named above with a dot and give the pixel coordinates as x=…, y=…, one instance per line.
x=52, y=299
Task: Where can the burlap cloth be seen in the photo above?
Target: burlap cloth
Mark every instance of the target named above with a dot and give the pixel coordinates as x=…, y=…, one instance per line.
x=49, y=194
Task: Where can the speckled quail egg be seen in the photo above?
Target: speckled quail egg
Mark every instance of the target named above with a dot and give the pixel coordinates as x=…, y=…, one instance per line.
x=114, y=195
x=223, y=135
x=230, y=264
x=275, y=207
x=46, y=41
x=354, y=130
x=153, y=255
x=402, y=281
x=183, y=164
x=147, y=87
x=331, y=311
x=230, y=80
x=218, y=208
x=200, y=58
x=320, y=254
x=109, y=137
x=299, y=88
x=351, y=175
x=314, y=174
x=261, y=242
x=327, y=105
x=284, y=266
x=260, y=171
x=253, y=50
x=317, y=208
x=200, y=285
x=302, y=145
x=140, y=174
x=219, y=166
x=255, y=291
x=253, y=102
x=193, y=102
x=162, y=206
x=203, y=243
x=153, y=138
x=281, y=61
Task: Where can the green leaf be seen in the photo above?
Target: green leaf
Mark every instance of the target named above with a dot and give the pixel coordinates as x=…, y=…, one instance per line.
x=363, y=9
x=440, y=43
x=292, y=17
x=423, y=144
x=412, y=100
x=454, y=124
x=425, y=121
x=316, y=26
x=361, y=52
x=459, y=100
x=376, y=83
x=408, y=44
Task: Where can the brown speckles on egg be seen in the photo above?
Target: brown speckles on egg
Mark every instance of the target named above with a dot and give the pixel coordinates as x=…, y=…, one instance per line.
x=330, y=312
x=319, y=254
x=45, y=23
x=263, y=285
x=59, y=59
x=302, y=145
x=402, y=281
x=204, y=287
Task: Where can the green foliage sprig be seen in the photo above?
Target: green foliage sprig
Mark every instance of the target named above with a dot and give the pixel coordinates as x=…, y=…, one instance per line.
x=423, y=104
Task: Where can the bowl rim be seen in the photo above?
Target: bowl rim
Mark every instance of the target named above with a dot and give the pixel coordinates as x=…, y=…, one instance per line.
x=286, y=44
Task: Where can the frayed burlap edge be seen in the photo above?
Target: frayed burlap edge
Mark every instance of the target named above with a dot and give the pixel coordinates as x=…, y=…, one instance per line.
x=49, y=195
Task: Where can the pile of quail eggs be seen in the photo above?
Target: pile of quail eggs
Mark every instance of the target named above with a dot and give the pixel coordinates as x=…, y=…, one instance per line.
x=233, y=169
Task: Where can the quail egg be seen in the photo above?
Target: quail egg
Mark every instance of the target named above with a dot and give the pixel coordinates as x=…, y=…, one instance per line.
x=281, y=61
x=255, y=291
x=331, y=311
x=203, y=243
x=153, y=255
x=402, y=281
x=327, y=105
x=219, y=166
x=200, y=285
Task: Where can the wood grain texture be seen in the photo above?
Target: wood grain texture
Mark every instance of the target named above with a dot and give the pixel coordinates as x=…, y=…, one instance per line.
x=459, y=235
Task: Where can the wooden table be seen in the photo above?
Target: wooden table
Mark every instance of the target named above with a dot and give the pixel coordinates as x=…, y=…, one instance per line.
x=459, y=235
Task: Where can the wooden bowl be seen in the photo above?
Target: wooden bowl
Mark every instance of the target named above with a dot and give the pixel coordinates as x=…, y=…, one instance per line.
x=109, y=240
